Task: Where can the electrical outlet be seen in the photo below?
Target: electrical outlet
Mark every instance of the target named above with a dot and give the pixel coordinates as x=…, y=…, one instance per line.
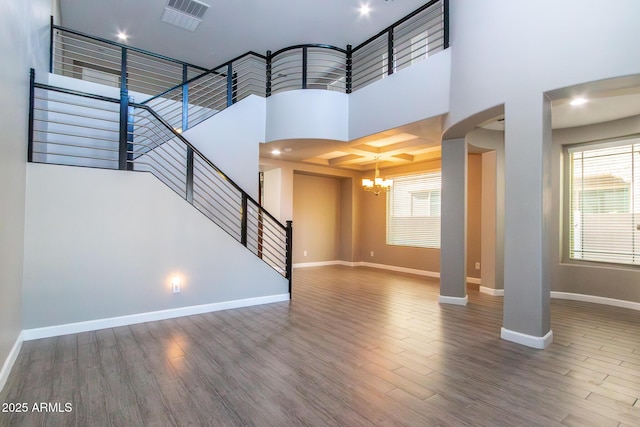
x=477, y=266
x=304, y=253
x=371, y=253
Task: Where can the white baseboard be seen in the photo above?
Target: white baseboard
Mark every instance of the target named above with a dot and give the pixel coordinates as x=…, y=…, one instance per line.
x=399, y=269
x=426, y=273
x=491, y=291
x=596, y=299
x=322, y=264
x=632, y=305
x=528, y=340
x=11, y=359
x=112, y=322
x=453, y=300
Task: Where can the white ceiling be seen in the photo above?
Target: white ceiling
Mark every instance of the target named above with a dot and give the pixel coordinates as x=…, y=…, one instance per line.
x=230, y=28
x=600, y=107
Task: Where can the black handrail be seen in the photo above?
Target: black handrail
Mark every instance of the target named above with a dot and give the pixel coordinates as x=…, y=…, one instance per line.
x=124, y=46
x=264, y=218
x=211, y=71
x=51, y=26
x=171, y=129
x=401, y=21
x=32, y=85
x=290, y=251
x=300, y=46
x=206, y=159
x=446, y=24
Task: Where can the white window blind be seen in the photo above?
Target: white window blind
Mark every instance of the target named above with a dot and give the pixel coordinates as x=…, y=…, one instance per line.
x=413, y=210
x=605, y=203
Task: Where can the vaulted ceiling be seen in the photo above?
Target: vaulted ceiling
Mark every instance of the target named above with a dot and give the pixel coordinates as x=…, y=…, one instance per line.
x=232, y=27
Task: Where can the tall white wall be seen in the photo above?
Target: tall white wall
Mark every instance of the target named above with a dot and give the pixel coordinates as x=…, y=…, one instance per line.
x=24, y=42
x=414, y=93
x=111, y=241
x=310, y=113
x=503, y=48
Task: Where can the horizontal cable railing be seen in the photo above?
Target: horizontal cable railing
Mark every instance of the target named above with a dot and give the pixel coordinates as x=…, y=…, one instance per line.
x=74, y=128
x=89, y=58
x=185, y=95
x=410, y=40
x=310, y=66
x=198, y=98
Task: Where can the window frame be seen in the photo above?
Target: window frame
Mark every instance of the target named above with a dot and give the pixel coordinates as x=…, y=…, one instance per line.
x=566, y=176
x=410, y=206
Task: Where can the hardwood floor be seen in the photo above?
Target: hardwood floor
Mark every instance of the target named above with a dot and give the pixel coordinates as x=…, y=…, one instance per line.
x=355, y=347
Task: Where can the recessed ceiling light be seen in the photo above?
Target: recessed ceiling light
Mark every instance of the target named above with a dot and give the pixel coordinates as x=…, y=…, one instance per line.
x=364, y=9
x=578, y=101
x=122, y=36
x=275, y=152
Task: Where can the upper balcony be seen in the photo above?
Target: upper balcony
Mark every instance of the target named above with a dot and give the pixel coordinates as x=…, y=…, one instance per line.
x=185, y=94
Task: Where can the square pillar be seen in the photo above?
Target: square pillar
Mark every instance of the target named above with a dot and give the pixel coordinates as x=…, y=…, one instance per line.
x=527, y=219
x=453, y=223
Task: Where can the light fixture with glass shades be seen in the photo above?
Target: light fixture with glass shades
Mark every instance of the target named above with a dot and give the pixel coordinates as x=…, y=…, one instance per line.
x=377, y=185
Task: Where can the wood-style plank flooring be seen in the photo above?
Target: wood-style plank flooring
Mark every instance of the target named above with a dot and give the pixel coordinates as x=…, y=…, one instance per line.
x=355, y=347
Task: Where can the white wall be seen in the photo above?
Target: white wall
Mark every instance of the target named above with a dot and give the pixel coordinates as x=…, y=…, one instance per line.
x=272, y=187
x=231, y=138
x=414, y=93
x=310, y=113
x=24, y=43
x=503, y=48
x=111, y=241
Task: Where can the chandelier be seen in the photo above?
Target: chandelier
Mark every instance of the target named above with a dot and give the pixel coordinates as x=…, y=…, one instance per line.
x=377, y=185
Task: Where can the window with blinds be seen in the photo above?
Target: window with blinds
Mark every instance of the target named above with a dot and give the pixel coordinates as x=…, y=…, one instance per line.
x=413, y=210
x=605, y=202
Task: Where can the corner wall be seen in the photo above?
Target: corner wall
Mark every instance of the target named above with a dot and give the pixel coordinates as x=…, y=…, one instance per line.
x=24, y=43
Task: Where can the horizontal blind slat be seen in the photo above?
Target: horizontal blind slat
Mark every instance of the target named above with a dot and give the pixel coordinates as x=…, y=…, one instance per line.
x=413, y=210
x=604, y=212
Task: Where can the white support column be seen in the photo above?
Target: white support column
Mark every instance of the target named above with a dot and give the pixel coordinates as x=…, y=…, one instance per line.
x=453, y=225
x=527, y=219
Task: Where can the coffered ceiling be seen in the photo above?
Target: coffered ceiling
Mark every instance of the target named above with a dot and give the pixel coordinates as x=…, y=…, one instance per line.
x=407, y=144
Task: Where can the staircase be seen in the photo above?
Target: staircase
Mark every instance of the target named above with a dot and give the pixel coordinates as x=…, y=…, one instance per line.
x=122, y=132
x=74, y=128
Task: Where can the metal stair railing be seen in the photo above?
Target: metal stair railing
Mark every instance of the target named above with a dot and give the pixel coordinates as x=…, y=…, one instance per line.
x=74, y=128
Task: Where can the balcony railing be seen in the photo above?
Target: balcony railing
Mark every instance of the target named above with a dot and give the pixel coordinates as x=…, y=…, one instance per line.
x=185, y=94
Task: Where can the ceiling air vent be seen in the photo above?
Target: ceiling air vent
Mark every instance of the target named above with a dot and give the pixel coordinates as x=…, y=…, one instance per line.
x=185, y=14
